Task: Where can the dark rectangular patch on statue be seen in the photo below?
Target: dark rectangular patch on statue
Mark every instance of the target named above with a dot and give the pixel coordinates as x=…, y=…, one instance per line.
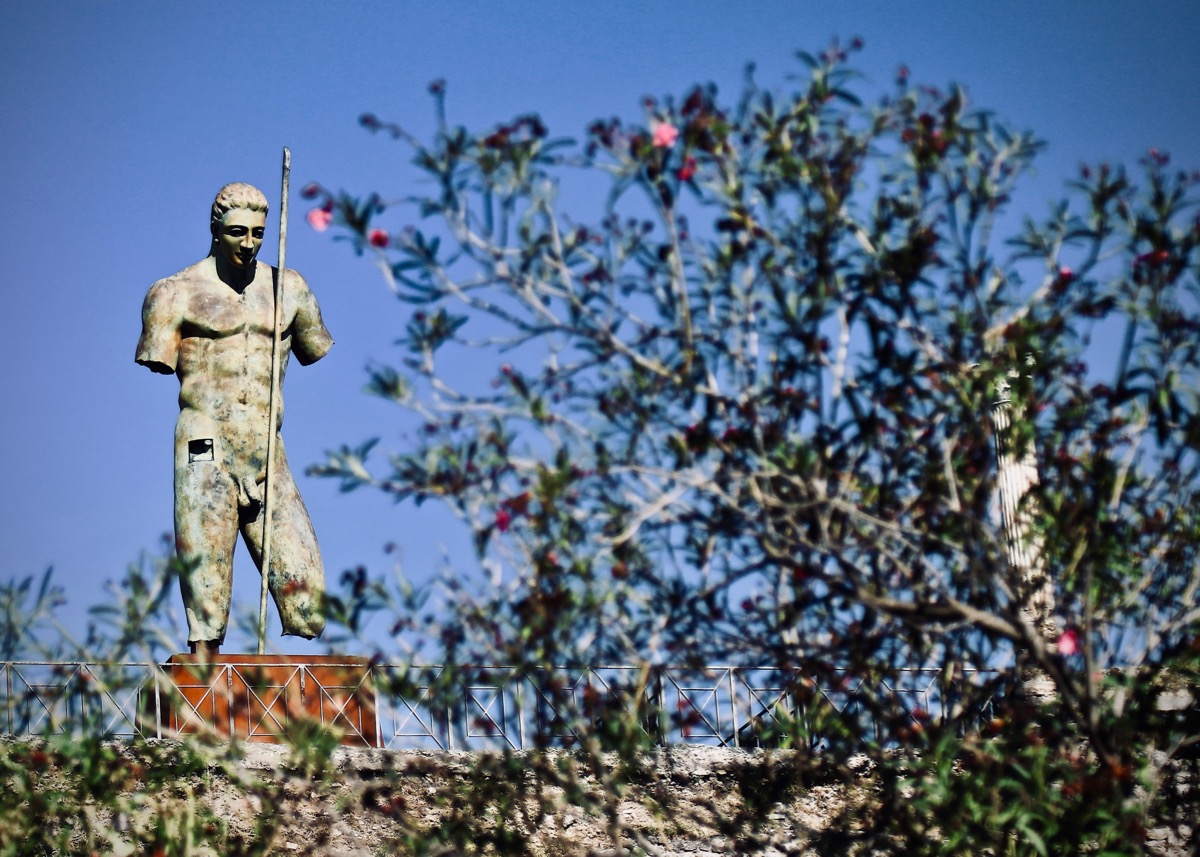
x=200, y=449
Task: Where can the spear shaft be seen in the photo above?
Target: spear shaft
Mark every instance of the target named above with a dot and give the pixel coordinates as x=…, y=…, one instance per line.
x=273, y=416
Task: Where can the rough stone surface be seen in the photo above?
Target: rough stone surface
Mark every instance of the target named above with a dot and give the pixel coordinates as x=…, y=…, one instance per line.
x=699, y=783
x=683, y=798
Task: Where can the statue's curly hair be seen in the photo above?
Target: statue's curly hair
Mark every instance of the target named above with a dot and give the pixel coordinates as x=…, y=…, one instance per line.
x=237, y=195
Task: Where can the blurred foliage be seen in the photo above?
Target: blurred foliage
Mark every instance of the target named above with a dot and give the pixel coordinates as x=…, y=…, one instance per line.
x=742, y=361
x=83, y=770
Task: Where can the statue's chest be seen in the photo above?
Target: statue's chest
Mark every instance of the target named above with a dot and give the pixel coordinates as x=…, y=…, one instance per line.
x=221, y=312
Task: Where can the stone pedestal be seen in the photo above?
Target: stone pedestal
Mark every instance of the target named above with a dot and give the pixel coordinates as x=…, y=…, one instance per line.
x=267, y=698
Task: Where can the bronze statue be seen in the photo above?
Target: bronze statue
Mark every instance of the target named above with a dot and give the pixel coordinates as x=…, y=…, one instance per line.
x=212, y=324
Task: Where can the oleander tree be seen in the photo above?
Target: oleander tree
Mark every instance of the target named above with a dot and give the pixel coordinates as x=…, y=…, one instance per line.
x=715, y=385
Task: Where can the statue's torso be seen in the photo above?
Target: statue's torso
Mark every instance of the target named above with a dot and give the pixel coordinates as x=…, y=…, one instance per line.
x=224, y=365
x=218, y=340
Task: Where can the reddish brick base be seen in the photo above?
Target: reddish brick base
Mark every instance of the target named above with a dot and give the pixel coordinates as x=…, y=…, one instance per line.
x=267, y=698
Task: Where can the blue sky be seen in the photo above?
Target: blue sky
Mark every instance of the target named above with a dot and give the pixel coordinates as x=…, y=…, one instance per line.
x=123, y=119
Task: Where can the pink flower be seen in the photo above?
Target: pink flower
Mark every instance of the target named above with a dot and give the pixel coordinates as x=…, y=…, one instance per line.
x=503, y=519
x=687, y=170
x=665, y=135
x=1154, y=257
x=1068, y=642
x=319, y=219
x=378, y=238
x=1065, y=273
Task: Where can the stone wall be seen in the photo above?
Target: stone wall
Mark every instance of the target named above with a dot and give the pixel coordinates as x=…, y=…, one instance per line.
x=684, y=800
x=687, y=800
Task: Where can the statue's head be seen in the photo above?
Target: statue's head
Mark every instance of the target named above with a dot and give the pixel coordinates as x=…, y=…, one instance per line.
x=237, y=223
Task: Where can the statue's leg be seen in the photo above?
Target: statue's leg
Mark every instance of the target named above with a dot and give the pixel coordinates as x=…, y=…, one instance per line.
x=205, y=527
x=297, y=577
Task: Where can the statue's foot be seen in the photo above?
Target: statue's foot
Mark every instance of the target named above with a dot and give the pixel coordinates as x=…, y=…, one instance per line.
x=206, y=649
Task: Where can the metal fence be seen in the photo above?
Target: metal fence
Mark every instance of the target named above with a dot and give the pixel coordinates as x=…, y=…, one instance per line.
x=501, y=707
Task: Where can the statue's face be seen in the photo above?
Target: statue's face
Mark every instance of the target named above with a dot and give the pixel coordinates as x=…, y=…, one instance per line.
x=239, y=236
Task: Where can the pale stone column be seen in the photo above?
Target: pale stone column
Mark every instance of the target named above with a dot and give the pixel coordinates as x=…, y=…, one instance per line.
x=1016, y=478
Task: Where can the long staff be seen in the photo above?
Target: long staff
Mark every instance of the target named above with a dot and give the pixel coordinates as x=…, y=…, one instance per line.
x=276, y=358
